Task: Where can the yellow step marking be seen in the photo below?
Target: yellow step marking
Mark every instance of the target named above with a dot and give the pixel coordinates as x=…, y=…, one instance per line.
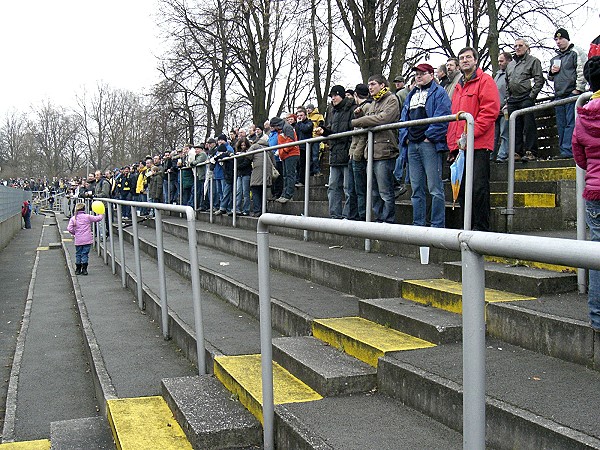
x=446, y=294
x=547, y=174
x=41, y=249
x=525, y=199
x=41, y=444
x=145, y=422
x=67, y=239
x=363, y=339
x=535, y=264
x=242, y=376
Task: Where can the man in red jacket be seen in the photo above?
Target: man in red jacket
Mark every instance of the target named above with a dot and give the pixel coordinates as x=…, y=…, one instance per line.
x=477, y=94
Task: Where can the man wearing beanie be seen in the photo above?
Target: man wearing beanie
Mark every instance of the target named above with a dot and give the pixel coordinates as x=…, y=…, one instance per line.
x=586, y=151
x=289, y=157
x=566, y=71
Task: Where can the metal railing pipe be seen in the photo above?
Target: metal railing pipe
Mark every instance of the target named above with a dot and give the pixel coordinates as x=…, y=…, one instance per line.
x=581, y=214
x=162, y=277
x=369, y=192
x=121, y=245
x=111, y=235
x=136, y=257
x=234, y=189
x=263, y=206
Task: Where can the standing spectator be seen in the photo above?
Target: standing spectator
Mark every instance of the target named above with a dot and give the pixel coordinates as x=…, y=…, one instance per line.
x=79, y=227
x=358, y=151
x=317, y=119
x=402, y=90
x=454, y=75
x=476, y=94
x=401, y=172
x=566, y=70
x=273, y=137
x=304, y=130
x=201, y=156
x=586, y=151
x=521, y=94
x=385, y=109
x=442, y=75
x=256, y=178
x=126, y=189
x=187, y=175
x=500, y=153
x=155, y=186
x=211, y=150
x=244, y=171
x=223, y=175
x=341, y=185
x=26, y=214
x=425, y=145
x=289, y=157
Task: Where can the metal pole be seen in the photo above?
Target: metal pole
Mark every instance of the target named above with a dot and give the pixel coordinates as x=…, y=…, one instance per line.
x=473, y=312
x=234, y=193
x=195, y=276
x=179, y=176
x=103, y=231
x=136, y=256
x=469, y=175
x=307, y=154
x=168, y=188
x=121, y=245
x=263, y=206
x=264, y=293
x=194, y=170
x=580, y=185
x=510, y=196
x=111, y=235
x=211, y=202
x=369, y=193
x=162, y=278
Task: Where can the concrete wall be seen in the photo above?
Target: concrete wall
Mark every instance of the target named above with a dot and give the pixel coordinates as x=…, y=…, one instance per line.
x=9, y=228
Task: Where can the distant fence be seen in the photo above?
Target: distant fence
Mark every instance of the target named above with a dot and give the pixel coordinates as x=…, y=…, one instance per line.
x=11, y=200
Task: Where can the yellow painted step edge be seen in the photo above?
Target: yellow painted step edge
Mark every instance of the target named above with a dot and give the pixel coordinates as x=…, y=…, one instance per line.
x=40, y=444
x=545, y=174
x=242, y=375
x=534, y=264
x=352, y=335
x=526, y=199
x=145, y=422
x=447, y=294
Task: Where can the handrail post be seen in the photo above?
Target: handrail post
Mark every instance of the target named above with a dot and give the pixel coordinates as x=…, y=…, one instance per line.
x=470, y=154
x=264, y=294
x=263, y=206
x=195, y=277
x=234, y=193
x=510, y=196
x=111, y=235
x=121, y=244
x=473, y=312
x=136, y=256
x=579, y=187
x=194, y=170
x=369, y=190
x=306, y=185
x=162, y=278
x=180, y=178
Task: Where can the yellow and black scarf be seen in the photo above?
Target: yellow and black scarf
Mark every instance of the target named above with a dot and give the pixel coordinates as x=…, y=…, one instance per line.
x=381, y=93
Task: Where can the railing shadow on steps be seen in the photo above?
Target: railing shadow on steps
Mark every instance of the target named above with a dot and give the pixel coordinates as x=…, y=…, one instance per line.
x=473, y=245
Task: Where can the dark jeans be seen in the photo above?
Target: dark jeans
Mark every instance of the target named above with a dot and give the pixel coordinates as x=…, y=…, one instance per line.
x=82, y=253
x=277, y=187
x=256, y=199
x=289, y=176
x=126, y=213
x=302, y=164
x=359, y=171
x=480, y=217
x=525, y=128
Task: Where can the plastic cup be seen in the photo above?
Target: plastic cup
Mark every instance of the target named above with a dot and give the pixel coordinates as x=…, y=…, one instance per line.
x=424, y=253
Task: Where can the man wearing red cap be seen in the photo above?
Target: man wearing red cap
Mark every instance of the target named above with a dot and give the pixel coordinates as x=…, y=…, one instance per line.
x=425, y=145
x=477, y=94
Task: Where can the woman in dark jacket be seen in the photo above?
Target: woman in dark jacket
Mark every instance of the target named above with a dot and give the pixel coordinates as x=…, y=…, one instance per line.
x=256, y=178
x=244, y=170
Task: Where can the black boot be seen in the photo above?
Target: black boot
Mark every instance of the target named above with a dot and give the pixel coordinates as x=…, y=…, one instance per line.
x=84, y=269
x=77, y=269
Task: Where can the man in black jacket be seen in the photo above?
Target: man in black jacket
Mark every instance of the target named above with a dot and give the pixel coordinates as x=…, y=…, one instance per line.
x=304, y=130
x=337, y=120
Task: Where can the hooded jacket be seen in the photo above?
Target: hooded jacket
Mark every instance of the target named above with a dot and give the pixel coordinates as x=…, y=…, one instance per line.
x=79, y=226
x=570, y=75
x=586, y=147
x=337, y=120
x=317, y=119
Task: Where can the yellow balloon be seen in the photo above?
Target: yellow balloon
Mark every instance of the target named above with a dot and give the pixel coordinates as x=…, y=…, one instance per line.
x=98, y=207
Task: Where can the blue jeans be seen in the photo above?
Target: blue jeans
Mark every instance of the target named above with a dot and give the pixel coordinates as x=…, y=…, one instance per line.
x=289, y=176
x=243, y=194
x=401, y=173
x=592, y=208
x=82, y=253
x=359, y=171
x=426, y=170
x=384, y=203
x=337, y=192
x=126, y=211
x=314, y=158
x=501, y=138
x=225, y=199
x=565, y=122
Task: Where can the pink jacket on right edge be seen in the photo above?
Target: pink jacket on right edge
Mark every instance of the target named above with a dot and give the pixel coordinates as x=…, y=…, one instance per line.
x=82, y=229
x=586, y=147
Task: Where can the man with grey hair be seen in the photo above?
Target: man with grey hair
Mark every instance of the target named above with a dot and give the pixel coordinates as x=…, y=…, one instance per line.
x=454, y=74
x=520, y=94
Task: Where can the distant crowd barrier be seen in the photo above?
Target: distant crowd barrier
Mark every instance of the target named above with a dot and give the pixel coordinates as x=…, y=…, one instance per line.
x=11, y=201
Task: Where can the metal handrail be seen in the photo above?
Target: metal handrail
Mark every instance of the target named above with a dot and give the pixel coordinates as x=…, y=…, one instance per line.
x=510, y=200
x=473, y=246
x=189, y=212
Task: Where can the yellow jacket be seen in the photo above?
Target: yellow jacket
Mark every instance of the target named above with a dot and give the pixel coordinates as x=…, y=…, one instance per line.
x=142, y=181
x=316, y=118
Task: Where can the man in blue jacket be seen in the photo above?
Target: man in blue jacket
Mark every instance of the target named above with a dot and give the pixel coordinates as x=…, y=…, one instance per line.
x=426, y=145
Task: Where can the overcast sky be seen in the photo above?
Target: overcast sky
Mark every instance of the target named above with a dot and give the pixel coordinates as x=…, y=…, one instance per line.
x=50, y=49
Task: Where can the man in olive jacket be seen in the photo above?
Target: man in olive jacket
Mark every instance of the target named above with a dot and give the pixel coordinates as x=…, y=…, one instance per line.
x=385, y=109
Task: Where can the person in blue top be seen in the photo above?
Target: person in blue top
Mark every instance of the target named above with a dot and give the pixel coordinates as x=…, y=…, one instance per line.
x=425, y=145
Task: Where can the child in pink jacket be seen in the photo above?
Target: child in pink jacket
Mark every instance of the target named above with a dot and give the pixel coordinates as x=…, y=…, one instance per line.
x=79, y=226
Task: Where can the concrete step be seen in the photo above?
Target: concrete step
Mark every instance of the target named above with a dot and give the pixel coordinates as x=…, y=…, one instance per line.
x=242, y=376
x=324, y=368
x=363, y=339
x=38, y=444
x=431, y=324
x=209, y=416
x=533, y=401
x=89, y=432
x=531, y=264
x=357, y=422
x=545, y=174
x=144, y=422
x=499, y=172
x=524, y=199
x=527, y=281
x=446, y=294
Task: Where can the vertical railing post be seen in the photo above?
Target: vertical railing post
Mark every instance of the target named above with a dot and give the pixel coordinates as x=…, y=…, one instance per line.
x=473, y=313
x=121, y=245
x=307, y=159
x=369, y=193
x=510, y=189
x=264, y=294
x=103, y=231
x=195, y=277
x=234, y=205
x=470, y=154
x=162, y=278
x=136, y=256
x=112, y=238
x=194, y=170
x=263, y=206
